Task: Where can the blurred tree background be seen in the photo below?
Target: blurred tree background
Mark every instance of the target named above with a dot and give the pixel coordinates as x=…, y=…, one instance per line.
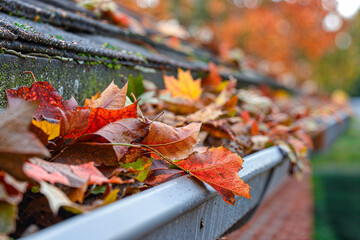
x=299, y=42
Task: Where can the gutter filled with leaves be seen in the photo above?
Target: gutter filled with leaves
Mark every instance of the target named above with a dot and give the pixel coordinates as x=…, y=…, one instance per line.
x=135, y=143
x=70, y=159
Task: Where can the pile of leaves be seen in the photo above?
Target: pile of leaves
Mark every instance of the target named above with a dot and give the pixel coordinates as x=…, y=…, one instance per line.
x=59, y=159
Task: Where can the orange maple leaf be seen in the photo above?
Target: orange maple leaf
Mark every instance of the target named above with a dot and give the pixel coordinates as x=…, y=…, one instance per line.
x=185, y=86
x=219, y=168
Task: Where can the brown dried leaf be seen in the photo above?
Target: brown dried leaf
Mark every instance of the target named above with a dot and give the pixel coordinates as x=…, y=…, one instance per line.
x=173, y=143
x=111, y=98
x=17, y=143
x=88, y=148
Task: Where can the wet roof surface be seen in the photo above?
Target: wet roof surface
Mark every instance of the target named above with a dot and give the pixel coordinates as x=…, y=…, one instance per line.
x=67, y=32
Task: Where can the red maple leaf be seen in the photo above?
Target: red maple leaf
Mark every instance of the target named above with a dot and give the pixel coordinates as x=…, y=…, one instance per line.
x=49, y=99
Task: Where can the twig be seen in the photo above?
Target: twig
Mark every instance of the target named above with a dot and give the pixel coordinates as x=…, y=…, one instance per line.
x=138, y=107
x=157, y=116
x=141, y=146
x=31, y=74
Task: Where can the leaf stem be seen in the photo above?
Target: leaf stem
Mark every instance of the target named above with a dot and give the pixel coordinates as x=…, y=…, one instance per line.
x=141, y=146
x=157, y=116
x=138, y=107
x=31, y=74
x=165, y=158
x=111, y=144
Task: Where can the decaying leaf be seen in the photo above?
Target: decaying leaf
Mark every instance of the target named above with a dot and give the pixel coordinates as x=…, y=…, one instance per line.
x=159, y=173
x=89, y=101
x=111, y=98
x=57, y=198
x=69, y=175
x=89, y=120
x=17, y=143
x=218, y=129
x=140, y=165
x=7, y=217
x=210, y=112
x=51, y=129
x=11, y=190
x=213, y=79
x=181, y=105
x=49, y=99
x=88, y=148
x=174, y=143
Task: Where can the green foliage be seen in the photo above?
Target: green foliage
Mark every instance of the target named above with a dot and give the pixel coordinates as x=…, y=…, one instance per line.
x=99, y=190
x=7, y=217
x=25, y=27
x=136, y=85
x=336, y=179
x=141, y=166
x=339, y=68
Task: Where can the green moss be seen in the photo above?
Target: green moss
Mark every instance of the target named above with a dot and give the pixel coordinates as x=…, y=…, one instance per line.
x=69, y=78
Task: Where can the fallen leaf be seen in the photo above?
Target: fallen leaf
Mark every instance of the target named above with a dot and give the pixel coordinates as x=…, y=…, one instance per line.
x=160, y=175
x=218, y=129
x=111, y=98
x=89, y=172
x=81, y=153
x=185, y=86
x=210, y=112
x=182, y=106
x=17, y=143
x=88, y=148
x=70, y=105
x=74, y=123
x=11, y=190
x=136, y=85
x=88, y=120
x=245, y=116
x=57, y=198
x=299, y=146
x=140, y=165
x=53, y=176
x=111, y=197
x=126, y=130
x=231, y=103
x=49, y=99
x=39, y=133
x=91, y=100
x=7, y=217
x=78, y=194
x=303, y=136
x=100, y=117
x=219, y=168
x=213, y=79
x=254, y=128
x=70, y=175
x=51, y=129
x=174, y=143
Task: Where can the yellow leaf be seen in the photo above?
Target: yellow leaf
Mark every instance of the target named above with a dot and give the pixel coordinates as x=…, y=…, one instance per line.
x=221, y=86
x=51, y=129
x=340, y=97
x=111, y=197
x=185, y=86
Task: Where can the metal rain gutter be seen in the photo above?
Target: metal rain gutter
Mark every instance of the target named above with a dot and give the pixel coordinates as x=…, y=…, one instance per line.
x=183, y=208
x=335, y=126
